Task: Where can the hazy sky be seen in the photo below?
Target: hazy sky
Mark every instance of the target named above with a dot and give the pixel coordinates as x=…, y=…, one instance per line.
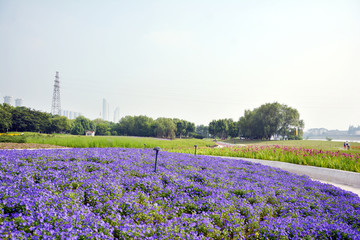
x=196, y=60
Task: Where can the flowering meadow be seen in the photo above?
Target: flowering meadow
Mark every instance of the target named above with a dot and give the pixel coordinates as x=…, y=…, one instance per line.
x=342, y=160
x=114, y=193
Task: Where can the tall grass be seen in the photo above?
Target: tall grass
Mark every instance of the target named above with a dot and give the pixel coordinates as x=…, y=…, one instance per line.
x=14, y=138
x=115, y=141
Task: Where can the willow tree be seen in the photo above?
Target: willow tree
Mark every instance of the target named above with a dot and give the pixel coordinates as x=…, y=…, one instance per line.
x=271, y=119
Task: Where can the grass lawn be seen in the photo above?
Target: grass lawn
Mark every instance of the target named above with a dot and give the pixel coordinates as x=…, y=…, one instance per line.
x=115, y=141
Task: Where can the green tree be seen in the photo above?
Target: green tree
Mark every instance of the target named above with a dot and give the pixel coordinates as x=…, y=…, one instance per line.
x=301, y=129
x=180, y=127
x=5, y=117
x=270, y=119
x=143, y=126
x=25, y=119
x=222, y=128
x=77, y=129
x=102, y=127
x=126, y=126
x=82, y=124
x=20, y=120
x=59, y=124
x=202, y=130
x=164, y=128
x=190, y=128
x=246, y=124
x=114, y=128
x=289, y=121
x=233, y=128
x=184, y=128
x=135, y=126
x=219, y=128
x=212, y=128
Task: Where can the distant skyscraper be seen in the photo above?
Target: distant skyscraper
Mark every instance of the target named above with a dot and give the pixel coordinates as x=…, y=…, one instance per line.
x=116, y=114
x=64, y=113
x=8, y=100
x=70, y=114
x=19, y=102
x=105, y=110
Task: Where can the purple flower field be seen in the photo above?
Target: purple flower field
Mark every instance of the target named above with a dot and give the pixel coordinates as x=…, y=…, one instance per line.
x=113, y=193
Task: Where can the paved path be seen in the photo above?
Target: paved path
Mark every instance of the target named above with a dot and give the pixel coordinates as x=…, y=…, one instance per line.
x=224, y=144
x=349, y=181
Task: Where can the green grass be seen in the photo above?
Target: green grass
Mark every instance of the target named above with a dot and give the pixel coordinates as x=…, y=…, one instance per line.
x=116, y=141
x=13, y=139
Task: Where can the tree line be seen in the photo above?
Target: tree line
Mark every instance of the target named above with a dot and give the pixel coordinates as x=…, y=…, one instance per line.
x=160, y=127
x=271, y=119
x=22, y=119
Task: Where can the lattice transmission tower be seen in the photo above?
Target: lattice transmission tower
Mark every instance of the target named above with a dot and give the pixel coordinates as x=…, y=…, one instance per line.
x=56, y=105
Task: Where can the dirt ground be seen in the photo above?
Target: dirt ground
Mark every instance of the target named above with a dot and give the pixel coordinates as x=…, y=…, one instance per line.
x=26, y=146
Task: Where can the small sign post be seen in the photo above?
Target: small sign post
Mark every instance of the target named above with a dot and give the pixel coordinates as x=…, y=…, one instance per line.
x=157, y=149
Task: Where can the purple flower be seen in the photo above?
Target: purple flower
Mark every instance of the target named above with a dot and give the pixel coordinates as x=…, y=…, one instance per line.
x=113, y=193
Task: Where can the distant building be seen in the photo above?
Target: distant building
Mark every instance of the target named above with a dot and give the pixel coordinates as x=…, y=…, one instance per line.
x=76, y=114
x=70, y=114
x=317, y=131
x=116, y=114
x=336, y=133
x=19, y=102
x=65, y=113
x=90, y=133
x=105, y=110
x=8, y=100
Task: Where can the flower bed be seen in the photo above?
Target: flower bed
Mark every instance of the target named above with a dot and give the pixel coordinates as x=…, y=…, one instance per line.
x=113, y=193
x=342, y=160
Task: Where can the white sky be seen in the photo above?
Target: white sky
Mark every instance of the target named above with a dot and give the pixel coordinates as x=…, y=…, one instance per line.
x=196, y=60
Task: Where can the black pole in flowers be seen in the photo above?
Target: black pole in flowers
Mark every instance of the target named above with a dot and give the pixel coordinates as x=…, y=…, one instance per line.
x=195, y=149
x=157, y=149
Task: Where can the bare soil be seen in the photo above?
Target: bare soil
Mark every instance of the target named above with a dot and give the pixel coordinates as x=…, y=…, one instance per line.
x=26, y=146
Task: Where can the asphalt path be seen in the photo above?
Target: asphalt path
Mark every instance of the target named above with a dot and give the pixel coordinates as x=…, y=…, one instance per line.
x=349, y=181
